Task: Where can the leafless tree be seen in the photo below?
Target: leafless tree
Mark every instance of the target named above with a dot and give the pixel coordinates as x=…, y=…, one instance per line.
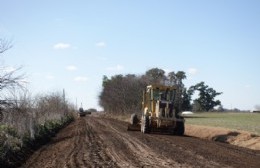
x=5, y=45
x=9, y=77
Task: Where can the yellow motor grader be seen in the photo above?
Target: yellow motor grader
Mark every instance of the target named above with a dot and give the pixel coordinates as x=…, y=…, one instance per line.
x=159, y=112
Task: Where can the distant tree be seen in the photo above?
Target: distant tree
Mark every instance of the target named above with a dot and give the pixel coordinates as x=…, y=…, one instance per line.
x=196, y=107
x=105, y=80
x=180, y=75
x=186, y=100
x=236, y=110
x=172, y=78
x=122, y=94
x=155, y=75
x=220, y=108
x=206, y=96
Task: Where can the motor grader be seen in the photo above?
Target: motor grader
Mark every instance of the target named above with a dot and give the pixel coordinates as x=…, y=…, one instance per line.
x=159, y=112
x=82, y=112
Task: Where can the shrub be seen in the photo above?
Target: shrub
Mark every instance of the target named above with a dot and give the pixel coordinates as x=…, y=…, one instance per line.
x=28, y=124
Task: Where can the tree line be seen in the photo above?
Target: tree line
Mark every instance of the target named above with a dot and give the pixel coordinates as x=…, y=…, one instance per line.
x=122, y=94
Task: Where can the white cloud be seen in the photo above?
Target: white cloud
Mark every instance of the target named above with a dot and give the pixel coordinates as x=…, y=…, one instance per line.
x=49, y=77
x=80, y=79
x=71, y=68
x=116, y=68
x=59, y=46
x=101, y=44
x=192, y=71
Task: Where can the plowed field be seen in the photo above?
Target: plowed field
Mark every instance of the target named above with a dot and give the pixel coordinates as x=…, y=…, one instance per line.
x=94, y=141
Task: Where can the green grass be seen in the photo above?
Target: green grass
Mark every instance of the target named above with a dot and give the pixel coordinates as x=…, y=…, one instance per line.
x=239, y=121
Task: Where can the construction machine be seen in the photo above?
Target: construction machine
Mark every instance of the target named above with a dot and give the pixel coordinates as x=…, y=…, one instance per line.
x=159, y=112
x=82, y=112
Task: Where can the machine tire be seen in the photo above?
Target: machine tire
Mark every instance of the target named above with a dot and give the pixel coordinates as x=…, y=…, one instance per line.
x=134, y=120
x=179, y=130
x=145, y=126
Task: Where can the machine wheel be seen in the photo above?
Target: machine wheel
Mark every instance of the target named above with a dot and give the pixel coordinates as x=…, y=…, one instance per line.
x=179, y=129
x=134, y=120
x=145, y=126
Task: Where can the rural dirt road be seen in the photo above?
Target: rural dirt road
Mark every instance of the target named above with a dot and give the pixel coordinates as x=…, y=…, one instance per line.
x=94, y=141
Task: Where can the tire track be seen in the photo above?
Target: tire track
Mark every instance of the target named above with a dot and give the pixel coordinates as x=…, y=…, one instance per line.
x=95, y=141
x=53, y=154
x=191, y=151
x=76, y=146
x=89, y=150
x=141, y=154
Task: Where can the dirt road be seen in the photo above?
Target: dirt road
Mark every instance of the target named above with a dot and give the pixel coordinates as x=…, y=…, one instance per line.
x=94, y=141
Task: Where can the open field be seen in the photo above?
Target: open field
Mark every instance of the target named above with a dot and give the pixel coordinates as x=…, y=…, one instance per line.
x=249, y=122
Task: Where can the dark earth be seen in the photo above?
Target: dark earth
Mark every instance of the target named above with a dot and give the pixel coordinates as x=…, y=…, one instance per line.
x=96, y=141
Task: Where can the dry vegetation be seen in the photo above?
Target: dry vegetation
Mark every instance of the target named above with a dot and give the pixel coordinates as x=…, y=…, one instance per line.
x=29, y=123
x=26, y=122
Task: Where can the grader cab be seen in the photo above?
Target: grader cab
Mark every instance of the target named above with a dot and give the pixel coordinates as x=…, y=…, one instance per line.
x=159, y=112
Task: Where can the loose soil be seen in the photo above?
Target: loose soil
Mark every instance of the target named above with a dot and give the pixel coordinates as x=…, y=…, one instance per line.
x=234, y=137
x=96, y=141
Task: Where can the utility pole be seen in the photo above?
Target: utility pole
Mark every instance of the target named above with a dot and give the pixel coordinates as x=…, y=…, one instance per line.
x=63, y=95
x=76, y=104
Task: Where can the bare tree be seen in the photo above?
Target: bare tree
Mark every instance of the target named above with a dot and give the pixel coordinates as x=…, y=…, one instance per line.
x=4, y=45
x=9, y=80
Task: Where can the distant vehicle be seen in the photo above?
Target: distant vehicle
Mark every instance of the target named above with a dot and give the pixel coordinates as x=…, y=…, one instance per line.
x=83, y=112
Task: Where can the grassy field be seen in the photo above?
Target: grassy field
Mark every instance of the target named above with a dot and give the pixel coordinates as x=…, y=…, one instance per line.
x=239, y=121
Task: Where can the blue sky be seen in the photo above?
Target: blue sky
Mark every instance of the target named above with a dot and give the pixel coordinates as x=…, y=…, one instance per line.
x=72, y=44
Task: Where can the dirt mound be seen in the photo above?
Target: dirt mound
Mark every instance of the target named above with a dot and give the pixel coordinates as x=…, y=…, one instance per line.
x=234, y=137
